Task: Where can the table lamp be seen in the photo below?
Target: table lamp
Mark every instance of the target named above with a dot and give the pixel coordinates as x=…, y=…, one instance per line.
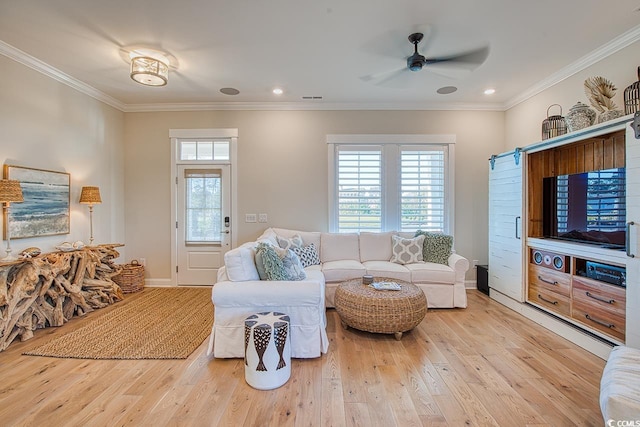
x=90, y=196
x=10, y=191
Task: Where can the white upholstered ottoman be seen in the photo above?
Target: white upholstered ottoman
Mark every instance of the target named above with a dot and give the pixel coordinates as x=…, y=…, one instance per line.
x=620, y=386
x=267, y=348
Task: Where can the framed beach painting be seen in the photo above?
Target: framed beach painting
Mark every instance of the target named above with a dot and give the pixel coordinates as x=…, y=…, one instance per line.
x=45, y=210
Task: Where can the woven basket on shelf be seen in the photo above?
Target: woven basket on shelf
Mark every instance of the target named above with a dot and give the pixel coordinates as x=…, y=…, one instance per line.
x=131, y=278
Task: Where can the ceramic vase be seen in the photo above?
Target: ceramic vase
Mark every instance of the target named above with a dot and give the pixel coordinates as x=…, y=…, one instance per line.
x=579, y=117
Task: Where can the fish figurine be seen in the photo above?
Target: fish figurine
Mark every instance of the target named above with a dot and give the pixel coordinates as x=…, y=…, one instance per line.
x=261, y=337
x=247, y=334
x=280, y=331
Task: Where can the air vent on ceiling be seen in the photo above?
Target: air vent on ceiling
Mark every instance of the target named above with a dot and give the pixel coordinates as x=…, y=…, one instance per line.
x=312, y=98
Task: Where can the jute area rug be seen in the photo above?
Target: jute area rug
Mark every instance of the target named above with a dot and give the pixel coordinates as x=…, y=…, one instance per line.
x=162, y=323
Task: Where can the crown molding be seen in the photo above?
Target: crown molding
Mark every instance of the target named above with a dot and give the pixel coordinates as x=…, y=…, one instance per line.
x=49, y=71
x=305, y=106
x=619, y=43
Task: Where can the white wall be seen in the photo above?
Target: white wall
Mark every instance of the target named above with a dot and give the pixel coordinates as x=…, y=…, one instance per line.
x=523, y=123
x=282, y=169
x=45, y=124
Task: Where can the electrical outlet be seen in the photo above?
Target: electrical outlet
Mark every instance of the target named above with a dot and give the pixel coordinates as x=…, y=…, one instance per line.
x=143, y=262
x=250, y=218
x=263, y=217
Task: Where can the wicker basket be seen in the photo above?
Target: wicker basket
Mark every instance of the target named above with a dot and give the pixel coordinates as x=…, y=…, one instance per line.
x=131, y=278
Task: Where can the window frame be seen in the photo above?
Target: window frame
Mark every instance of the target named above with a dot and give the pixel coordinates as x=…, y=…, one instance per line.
x=391, y=146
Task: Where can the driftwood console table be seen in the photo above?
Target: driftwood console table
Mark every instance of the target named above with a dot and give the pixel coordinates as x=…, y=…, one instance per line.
x=50, y=289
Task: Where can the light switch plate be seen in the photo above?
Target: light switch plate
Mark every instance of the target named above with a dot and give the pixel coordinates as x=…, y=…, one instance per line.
x=250, y=218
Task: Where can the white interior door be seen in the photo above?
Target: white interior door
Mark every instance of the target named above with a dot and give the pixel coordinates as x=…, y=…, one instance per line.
x=203, y=222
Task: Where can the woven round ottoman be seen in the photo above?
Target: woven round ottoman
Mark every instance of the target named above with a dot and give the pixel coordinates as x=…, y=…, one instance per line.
x=267, y=350
x=385, y=312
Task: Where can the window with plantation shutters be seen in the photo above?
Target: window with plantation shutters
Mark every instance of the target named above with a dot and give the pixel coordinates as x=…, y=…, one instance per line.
x=390, y=182
x=359, y=190
x=422, y=189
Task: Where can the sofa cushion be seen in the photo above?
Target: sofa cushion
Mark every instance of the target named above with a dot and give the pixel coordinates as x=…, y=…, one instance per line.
x=338, y=271
x=268, y=236
x=437, y=246
x=431, y=272
x=388, y=269
x=255, y=293
x=240, y=263
x=308, y=255
x=375, y=246
x=406, y=251
x=339, y=246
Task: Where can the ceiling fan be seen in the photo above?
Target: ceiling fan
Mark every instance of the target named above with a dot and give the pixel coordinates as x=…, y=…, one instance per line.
x=466, y=61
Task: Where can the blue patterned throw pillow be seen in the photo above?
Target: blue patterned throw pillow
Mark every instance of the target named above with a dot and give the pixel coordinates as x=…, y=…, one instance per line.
x=308, y=255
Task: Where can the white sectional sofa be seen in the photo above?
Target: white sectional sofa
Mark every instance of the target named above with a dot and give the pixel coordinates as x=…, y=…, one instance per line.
x=239, y=292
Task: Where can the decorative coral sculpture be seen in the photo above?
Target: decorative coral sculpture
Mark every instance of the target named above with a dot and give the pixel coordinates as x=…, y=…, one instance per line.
x=600, y=93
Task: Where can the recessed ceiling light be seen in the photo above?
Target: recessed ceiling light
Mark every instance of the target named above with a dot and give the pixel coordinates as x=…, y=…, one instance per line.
x=229, y=91
x=277, y=91
x=490, y=91
x=447, y=90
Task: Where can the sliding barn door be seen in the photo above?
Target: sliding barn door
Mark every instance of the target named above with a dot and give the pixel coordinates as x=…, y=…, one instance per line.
x=506, y=239
x=633, y=238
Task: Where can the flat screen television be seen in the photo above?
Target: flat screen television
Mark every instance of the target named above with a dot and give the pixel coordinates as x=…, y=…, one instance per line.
x=586, y=207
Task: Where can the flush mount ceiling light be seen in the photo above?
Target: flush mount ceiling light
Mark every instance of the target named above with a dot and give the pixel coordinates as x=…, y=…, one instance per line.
x=149, y=66
x=149, y=71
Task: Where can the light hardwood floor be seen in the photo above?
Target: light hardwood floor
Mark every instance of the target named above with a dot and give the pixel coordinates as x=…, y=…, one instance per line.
x=484, y=365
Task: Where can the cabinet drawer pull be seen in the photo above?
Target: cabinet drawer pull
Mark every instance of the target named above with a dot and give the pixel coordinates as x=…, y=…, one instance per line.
x=600, y=322
x=547, y=281
x=546, y=300
x=607, y=301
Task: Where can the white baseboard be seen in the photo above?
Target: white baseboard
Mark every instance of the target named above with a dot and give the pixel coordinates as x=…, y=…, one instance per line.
x=470, y=284
x=582, y=339
x=158, y=283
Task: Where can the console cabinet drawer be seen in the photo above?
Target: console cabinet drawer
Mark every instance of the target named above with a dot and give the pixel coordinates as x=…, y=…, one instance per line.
x=550, y=300
x=551, y=280
x=600, y=306
x=609, y=298
x=600, y=320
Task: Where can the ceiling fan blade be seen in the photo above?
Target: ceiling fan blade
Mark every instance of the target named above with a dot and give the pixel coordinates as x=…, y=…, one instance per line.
x=380, y=79
x=469, y=60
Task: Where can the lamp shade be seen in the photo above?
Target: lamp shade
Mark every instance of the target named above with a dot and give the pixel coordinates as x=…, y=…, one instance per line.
x=149, y=71
x=90, y=196
x=10, y=191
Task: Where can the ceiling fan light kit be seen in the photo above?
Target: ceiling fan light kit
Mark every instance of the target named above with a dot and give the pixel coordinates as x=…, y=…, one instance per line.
x=415, y=61
x=149, y=71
